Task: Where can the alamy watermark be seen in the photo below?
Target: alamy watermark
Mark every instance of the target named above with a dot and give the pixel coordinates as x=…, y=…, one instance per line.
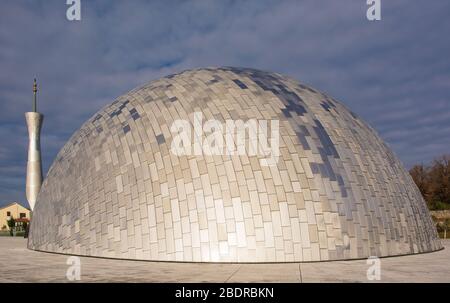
x=73, y=12
x=234, y=137
x=73, y=273
x=374, y=271
x=374, y=10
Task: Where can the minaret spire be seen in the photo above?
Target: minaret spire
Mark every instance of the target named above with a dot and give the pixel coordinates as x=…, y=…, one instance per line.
x=35, y=94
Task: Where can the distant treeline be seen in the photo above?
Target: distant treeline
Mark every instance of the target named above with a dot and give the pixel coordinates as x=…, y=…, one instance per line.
x=434, y=182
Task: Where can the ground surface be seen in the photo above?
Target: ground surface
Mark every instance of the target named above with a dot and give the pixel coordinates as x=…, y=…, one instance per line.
x=18, y=264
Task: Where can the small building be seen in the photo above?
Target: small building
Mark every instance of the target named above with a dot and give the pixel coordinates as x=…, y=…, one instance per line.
x=18, y=212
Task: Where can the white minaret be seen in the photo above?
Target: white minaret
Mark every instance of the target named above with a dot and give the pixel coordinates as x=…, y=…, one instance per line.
x=34, y=167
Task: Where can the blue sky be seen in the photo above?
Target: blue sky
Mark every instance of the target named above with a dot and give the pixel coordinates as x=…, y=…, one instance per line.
x=395, y=73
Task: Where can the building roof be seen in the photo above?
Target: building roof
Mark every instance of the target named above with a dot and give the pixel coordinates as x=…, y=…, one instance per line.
x=12, y=203
x=22, y=220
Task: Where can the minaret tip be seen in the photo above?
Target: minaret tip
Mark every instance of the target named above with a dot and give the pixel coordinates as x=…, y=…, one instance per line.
x=34, y=93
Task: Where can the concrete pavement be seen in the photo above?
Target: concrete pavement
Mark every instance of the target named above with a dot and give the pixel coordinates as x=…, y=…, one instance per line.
x=18, y=264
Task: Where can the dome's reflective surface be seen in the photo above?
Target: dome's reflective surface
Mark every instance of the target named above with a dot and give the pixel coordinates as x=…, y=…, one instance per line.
x=118, y=189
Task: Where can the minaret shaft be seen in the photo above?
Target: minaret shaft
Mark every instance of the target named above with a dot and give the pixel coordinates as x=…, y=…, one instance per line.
x=34, y=166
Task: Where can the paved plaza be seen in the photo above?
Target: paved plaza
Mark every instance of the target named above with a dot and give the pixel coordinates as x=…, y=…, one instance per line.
x=19, y=264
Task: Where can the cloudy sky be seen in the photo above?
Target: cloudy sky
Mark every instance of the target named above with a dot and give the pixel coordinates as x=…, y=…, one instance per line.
x=395, y=73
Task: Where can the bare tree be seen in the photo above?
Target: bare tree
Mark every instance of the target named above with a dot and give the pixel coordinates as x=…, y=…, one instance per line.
x=434, y=182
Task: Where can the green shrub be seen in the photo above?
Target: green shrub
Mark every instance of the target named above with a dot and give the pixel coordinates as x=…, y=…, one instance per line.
x=12, y=224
